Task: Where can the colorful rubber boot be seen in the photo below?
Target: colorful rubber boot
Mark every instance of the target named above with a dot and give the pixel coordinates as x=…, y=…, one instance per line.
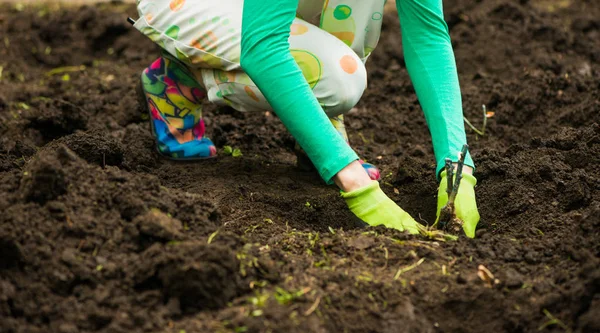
x=174, y=102
x=304, y=162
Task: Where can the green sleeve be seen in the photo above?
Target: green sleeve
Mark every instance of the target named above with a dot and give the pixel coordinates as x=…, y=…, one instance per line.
x=266, y=58
x=430, y=62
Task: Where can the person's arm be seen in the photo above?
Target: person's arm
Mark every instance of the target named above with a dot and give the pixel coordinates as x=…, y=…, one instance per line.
x=430, y=63
x=266, y=58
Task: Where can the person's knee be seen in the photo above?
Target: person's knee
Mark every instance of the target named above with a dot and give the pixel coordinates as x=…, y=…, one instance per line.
x=346, y=86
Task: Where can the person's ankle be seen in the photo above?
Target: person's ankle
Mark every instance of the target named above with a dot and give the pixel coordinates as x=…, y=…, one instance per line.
x=352, y=177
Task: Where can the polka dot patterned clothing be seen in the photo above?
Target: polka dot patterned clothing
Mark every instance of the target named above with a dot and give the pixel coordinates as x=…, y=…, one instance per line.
x=206, y=35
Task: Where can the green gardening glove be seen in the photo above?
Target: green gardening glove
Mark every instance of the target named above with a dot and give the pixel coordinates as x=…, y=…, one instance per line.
x=372, y=206
x=465, y=206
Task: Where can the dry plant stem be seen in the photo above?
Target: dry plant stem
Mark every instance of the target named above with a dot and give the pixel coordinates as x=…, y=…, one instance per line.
x=459, y=170
x=449, y=176
x=447, y=215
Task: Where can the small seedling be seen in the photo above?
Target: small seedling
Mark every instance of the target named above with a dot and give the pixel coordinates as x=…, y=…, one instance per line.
x=236, y=152
x=212, y=237
x=285, y=297
x=228, y=150
x=448, y=219
x=553, y=321
x=486, y=115
x=259, y=300
x=66, y=69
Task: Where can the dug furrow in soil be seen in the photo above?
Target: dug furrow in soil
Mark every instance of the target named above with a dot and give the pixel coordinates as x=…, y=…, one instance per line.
x=99, y=234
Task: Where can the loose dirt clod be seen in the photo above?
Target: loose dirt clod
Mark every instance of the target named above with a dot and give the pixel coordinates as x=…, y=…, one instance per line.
x=157, y=224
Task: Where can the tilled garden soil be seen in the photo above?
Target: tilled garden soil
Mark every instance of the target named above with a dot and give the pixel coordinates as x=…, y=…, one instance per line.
x=98, y=233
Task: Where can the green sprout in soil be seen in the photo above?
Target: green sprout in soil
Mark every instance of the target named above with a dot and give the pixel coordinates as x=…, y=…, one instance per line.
x=326, y=262
x=313, y=239
x=23, y=106
x=553, y=321
x=285, y=297
x=247, y=260
x=486, y=115
x=228, y=150
x=251, y=228
x=386, y=256
x=363, y=138
x=258, y=284
x=259, y=299
x=364, y=277
x=66, y=69
x=256, y=313
x=212, y=237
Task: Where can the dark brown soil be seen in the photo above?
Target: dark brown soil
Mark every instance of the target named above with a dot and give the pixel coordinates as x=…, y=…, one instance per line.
x=100, y=234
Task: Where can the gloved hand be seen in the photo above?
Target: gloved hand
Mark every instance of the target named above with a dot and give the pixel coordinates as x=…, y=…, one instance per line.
x=465, y=205
x=371, y=205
